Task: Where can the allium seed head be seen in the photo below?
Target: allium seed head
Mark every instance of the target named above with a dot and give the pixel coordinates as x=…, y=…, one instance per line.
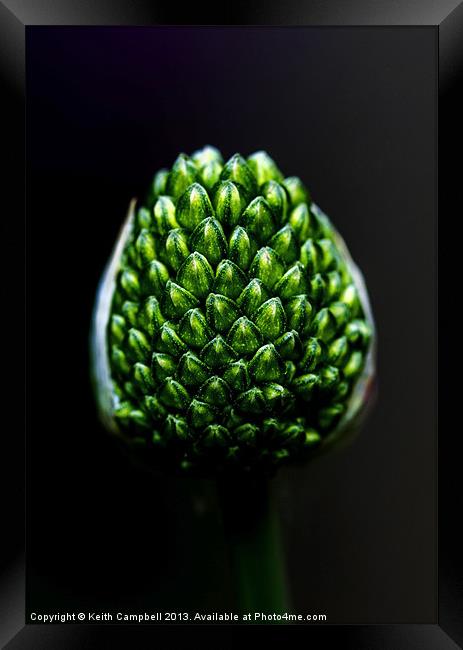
x=232, y=330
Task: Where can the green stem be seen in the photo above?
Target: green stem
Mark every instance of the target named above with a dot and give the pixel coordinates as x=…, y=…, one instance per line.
x=252, y=533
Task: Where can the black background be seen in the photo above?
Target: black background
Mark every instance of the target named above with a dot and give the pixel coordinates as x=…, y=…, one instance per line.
x=353, y=113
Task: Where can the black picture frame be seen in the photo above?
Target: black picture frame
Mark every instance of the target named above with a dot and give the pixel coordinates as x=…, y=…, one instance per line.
x=446, y=18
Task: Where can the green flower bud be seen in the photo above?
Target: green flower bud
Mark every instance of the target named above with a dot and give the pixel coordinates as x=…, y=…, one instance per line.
x=153, y=406
x=270, y=318
x=317, y=288
x=311, y=439
x=200, y=414
x=304, y=386
x=164, y=216
x=217, y=353
x=301, y=222
x=296, y=190
x=193, y=206
x=333, y=285
x=155, y=279
x=311, y=355
x=195, y=275
x=163, y=366
x=229, y=202
x=119, y=361
x=328, y=256
x=177, y=248
x=279, y=399
x=232, y=331
x=358, y=333
x=354, y=364
x=177, y=300
x=328, y=378
x=293, y=435
x=292, y=283
x=158, y=187
x=142, y=378
x=264, y=168
x=139, y=419
x=118, y=328
x=252, y=401
x=299, y=313
x=341, y=312
x=237, y=170
x=258, y=220
x=284, y=243
x=194, y=330
x=237, y=376
x=324, y=325
x=138, y=345
x=290, y=371
x=191, y=370
x=221, y=312
x=267, y=266
x=150, y=317
x=244, y=337
x=247, y=434
x=229, y=279
x=272, y=428
x=123, y=411
x=310, y=256
x=267, y=365
x=214, y=391
x=350, y=298
x=241, y=250
x=145, y=248
x=209, y=240
x=144, y=219
x=232, y=418
x=176, y=428
x=130, y=284
x=325, y=229
x=206, y=155
x=173, y=394
x=277, y=198
x=168, y=341
x=130, y=312
x=216, y=436
x=338, y=351
x=160, y=181
x=130, y=257
x=209, y=175
x=182, y=174
x=289, y=345
x=252, y=297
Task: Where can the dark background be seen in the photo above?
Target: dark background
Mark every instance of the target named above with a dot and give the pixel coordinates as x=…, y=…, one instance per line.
x=353, y=113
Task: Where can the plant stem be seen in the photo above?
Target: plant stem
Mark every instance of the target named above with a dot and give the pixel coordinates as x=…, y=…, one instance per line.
x=252, y=533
